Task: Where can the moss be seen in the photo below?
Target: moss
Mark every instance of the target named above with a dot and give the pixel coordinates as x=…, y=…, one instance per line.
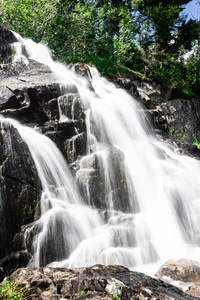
x=177, y=134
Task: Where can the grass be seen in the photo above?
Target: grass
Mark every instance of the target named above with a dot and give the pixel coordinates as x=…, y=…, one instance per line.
x=9, y=290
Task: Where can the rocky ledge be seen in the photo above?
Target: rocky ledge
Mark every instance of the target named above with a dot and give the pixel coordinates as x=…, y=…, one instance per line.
x=97, y=282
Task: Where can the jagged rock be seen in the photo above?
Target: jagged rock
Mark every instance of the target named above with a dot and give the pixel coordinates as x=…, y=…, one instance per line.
x=144, y=91
x=179, y=117
x=97, y=282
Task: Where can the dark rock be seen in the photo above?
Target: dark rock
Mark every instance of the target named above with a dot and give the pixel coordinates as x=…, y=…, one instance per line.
x=97, y=282
x=180, y=118
x=2, y=274
x=24, y=95
x=20, y=187
x=76, y=147
x=145, y=92
x=73, y=110
x=15, y=261
x=18, y=242
x=6, y=38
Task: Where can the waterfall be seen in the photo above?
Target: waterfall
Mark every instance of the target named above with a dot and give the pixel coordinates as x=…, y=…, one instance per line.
x=158, y=217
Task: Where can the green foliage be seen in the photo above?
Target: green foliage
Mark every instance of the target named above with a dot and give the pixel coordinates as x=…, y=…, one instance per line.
x=9, y=290
x=193, y=71
x=30, y=18
x=164, y=17
x=115, y=297
x=196, y=143
x=131, y=38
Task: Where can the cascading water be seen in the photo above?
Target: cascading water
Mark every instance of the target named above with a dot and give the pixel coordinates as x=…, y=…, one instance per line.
x=159, y=217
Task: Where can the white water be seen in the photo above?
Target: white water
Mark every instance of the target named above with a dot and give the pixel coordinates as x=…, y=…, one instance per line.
x=162, y=225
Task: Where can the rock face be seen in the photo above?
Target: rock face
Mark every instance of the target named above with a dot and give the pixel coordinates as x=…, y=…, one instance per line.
x=180, y=118
x=97, y=282
x=20, y=187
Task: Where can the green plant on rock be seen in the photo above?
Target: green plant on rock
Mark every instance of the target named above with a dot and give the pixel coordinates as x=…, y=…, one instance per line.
x=9, y=290
x=115, y=297
x=196, y=143
x=81, y=292
x=177, y=134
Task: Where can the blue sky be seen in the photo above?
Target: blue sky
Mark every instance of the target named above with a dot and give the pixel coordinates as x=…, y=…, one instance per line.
x=193, y=9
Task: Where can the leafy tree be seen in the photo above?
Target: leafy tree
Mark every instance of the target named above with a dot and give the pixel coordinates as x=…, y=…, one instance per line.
x=164, y=15
x=30, y=18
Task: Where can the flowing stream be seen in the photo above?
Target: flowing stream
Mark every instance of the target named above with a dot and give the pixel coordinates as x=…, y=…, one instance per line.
x=161, y=219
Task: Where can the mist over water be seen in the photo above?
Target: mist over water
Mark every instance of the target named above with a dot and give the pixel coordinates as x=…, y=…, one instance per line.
x=158, y=219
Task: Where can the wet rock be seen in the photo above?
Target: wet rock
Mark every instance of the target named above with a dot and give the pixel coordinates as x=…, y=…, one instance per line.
x=15, y=261
x=84, y=71
x=103, y=182
x=76, y=147
x=20, y=187
x=72, y=109
x=2, y=274
x=183, y=269
x=6, y=37
x=180, y=147
x=97, y=282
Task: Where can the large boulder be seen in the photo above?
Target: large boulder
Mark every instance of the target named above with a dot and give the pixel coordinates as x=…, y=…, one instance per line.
x=183, y=270
x=97, y=282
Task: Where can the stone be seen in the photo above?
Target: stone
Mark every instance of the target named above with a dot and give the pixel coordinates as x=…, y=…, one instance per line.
x=183, y=270
x=180, y=147
x=178, y=117
x=6, y=38
x=97, y=282
x=20, y=189
x=14, y=261
x=2, y=274
x=91, y=178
